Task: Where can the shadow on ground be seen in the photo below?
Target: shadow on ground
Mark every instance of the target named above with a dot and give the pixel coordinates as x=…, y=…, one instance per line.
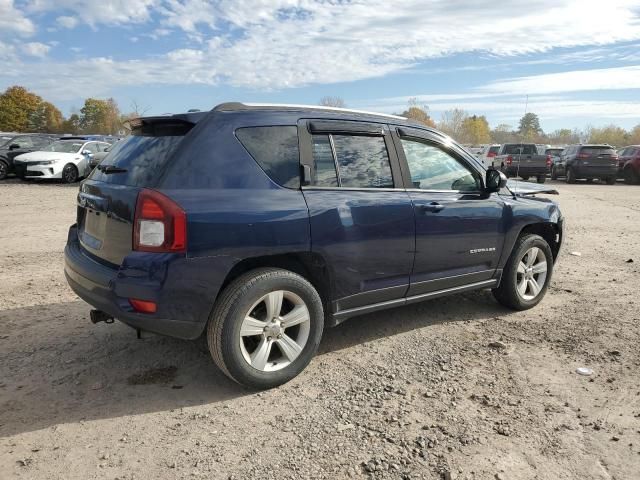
x=68, y=370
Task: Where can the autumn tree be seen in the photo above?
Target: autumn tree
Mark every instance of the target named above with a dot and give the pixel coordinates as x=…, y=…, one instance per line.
x=564, y=136
x=71, y=124
x=46, y=118
x=418, y=113
x=17, y=106
x=611, y=134
x=529, y=127
x=475, y=130
x=503, y=133
x=634, y=135
x=329, y=101
x=451, y=122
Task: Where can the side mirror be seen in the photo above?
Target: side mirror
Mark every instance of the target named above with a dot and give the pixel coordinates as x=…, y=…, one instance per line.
x=87, y=153
x=495, y=181
x=14, y=146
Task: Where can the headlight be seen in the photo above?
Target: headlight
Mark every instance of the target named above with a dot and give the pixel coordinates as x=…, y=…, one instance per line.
x=47, y=162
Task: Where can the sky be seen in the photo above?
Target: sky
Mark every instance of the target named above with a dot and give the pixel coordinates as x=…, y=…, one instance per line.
x=574, y=63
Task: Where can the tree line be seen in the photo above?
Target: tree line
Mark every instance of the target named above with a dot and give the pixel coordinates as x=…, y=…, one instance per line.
x=474, y=129
x=25, y=111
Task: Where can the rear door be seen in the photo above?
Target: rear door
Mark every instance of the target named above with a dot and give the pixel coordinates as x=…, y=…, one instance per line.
x=459, y=229
x=361, y=217
x=107, y=199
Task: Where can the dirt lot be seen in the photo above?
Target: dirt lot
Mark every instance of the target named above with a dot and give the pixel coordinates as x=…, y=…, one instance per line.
x=455, y=388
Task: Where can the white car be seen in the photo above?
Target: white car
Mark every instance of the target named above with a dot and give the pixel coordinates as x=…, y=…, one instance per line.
x=64, y=159
x=488, y=153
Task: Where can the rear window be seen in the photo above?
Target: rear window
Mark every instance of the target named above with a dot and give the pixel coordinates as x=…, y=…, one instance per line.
x=599, y=150
x=494, y=149
x=553, y=151
x=276, y=151
x=523, y=149
x=143, y=154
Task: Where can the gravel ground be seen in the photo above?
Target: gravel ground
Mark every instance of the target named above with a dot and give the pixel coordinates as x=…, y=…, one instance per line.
x=454, y=388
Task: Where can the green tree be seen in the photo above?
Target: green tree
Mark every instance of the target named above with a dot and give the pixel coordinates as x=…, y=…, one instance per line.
x=17, y=106
x=418, y=113
x=529, y=127
x=71, y=124
x=100, y=116
x=475, y=130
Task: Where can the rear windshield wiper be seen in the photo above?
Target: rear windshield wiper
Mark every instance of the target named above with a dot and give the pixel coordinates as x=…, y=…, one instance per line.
x=111, y=169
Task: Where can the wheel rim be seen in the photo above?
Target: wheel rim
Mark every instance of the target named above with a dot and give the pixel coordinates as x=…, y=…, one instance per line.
x=531, y=274
x=69, y=174
x=3, y=169
x=274, y=331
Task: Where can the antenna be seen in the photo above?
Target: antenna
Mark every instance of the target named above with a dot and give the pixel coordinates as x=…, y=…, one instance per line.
x=526, y=106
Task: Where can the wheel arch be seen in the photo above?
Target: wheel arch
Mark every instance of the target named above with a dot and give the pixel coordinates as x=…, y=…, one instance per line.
x=549, y=231
x=309, y=265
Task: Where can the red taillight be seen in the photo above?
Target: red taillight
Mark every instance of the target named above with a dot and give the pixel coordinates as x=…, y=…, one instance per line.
x=548, y=160
x=143, y=306
x=582, y=156
x=159, y=224
x=614, y=156
x=491, y=154
x=509, y=160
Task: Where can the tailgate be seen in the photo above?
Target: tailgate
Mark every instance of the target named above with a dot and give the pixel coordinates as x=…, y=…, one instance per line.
x=107, y=199
x=105, y=219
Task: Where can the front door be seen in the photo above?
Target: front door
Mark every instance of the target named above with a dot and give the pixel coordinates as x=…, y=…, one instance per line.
x=361, y=219
x=459, y=228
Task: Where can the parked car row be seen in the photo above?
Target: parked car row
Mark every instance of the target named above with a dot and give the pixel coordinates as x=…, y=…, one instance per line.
x=573, y=162
x=41, y=156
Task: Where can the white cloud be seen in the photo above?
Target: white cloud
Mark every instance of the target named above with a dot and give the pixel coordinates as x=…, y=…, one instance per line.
x=35, y=49
x=277, y=44
x=618, y=78
x=67, y=22
x=12, y=20
x=95, y=12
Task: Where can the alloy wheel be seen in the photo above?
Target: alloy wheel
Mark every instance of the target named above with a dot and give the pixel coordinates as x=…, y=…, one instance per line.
x=274, y=331
x=531, y=274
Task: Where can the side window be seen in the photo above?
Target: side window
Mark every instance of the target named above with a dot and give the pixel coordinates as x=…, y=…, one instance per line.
x=362, y=161
x=323, y=162
x=433, y=169
x=24, y=142
x=92, y=147
x=276, y=151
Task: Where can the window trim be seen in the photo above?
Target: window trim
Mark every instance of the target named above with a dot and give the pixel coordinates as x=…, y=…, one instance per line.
x=305, y=138
x=431, y=139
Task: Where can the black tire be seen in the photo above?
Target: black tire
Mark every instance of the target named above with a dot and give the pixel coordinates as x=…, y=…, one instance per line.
x=631, y=177
x=4, y=170
x=223, y=330
x=610, y=180
x=570, y=177
x=507, y=293
x=554, y=174
x=541, y=178
x=70, y=173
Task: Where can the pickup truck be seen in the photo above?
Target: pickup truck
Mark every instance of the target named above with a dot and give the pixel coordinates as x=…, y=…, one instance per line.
x=523, y=160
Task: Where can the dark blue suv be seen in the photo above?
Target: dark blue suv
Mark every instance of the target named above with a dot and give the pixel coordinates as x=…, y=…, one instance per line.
x=262, y=224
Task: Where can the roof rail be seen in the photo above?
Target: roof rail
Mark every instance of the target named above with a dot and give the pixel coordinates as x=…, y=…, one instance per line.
x=235, y=106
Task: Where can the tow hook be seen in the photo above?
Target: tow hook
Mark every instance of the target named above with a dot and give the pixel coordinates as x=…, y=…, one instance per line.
x=98, y=316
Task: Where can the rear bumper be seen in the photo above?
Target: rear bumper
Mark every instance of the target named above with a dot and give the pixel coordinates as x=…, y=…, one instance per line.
x=594, y=171
x=513, y=170
x=108, y=289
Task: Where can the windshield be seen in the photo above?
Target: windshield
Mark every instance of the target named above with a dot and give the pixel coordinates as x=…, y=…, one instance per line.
x=4, y=140
x=64, y=147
